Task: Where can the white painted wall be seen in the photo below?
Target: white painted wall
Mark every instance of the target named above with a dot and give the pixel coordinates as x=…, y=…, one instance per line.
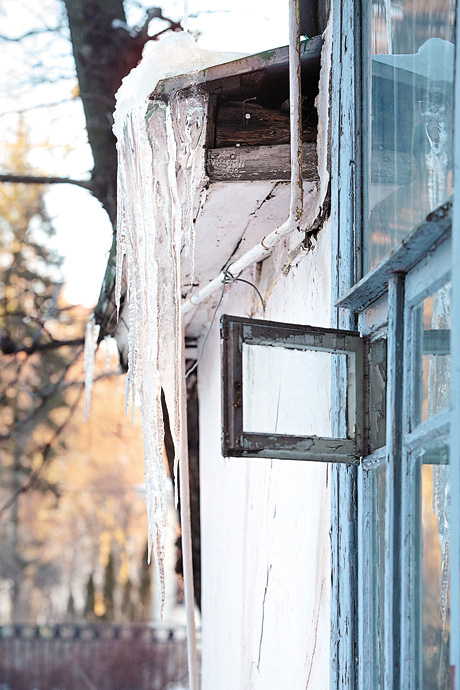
x=265, y=523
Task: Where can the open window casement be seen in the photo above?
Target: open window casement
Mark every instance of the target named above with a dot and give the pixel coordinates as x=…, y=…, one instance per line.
x=278, y=391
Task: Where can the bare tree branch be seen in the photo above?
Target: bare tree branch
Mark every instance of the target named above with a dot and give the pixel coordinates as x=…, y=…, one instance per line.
x=9, y=347
x=49, y=394
x=45, y=455
x=37, y=179
x=157, y=13
x=45, y=395
x=156, y=36
x=19, y=111
x=100, y=377
x=29, y=34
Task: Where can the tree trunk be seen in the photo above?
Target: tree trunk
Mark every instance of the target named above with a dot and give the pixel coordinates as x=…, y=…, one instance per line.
x=104, y=53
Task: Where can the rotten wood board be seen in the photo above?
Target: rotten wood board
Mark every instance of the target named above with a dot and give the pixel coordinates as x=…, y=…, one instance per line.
x=211, y=121
x=250, y=124
x=259, y=163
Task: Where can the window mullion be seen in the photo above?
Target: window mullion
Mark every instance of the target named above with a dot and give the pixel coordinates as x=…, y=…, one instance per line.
x=455, y=397
x=392, y=643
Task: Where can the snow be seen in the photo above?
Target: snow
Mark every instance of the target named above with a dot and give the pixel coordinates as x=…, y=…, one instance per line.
x=160, y=169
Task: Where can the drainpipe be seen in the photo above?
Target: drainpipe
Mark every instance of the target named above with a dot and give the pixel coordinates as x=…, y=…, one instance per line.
x=263, y=249
x=254, y=255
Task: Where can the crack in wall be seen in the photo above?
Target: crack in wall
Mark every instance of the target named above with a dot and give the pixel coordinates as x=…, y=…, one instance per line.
x=316, y=636
x=263, y=617
x=251, y=215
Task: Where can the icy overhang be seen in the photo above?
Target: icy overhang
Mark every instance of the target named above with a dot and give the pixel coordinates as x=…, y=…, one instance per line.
x=246, y=194
x=248, y=130
x=264, y=75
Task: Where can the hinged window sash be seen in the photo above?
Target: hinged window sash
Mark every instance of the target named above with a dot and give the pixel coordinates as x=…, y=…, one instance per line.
x=237, y=334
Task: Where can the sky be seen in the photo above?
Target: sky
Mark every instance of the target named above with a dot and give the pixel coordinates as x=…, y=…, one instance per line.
x=83, y=231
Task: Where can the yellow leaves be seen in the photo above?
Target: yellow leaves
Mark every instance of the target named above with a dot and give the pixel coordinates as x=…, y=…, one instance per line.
x=124, y=568
x=96, y=469
x=99, y=606
x=105, y=544
x=120, y=536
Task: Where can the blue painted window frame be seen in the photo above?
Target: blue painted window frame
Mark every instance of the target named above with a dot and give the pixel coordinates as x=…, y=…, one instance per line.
x=352, y=504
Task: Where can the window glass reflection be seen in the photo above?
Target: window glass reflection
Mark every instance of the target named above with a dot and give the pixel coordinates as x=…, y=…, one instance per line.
x=377, y=577
x=301, y=408
x=431, y=385
x=435, y=525
x=411, y=118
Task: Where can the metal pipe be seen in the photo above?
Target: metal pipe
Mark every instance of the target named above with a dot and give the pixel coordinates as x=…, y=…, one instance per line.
x=262, y=250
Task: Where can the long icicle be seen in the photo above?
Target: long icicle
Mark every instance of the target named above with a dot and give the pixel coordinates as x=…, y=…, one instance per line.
x=160, y=170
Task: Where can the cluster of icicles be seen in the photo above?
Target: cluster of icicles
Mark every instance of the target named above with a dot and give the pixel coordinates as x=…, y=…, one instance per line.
x=91, y=336
x=160, y=146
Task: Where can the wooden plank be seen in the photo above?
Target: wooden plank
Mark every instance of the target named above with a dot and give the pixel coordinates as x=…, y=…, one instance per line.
x=289, y=447
x=394, y=470
x=232, y=383
x=250, y=124
x=344, y=548
x=259, y=163
x=211, y=121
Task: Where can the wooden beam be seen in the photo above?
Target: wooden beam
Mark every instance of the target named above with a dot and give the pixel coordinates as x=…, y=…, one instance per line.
x=259, y=163
x=250, y=124
x=211, y=122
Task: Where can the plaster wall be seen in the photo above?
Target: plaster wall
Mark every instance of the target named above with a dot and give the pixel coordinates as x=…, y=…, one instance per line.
x=265, y=523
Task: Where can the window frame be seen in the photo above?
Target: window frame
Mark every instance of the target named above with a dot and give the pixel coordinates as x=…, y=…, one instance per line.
x=414, y=270
x=455, y=397
x=237, y=331
x=353, y=297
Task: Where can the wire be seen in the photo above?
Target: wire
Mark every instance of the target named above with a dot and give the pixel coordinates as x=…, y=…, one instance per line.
x=228, y=278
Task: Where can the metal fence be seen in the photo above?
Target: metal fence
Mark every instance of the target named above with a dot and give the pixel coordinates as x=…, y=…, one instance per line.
x=92, y=657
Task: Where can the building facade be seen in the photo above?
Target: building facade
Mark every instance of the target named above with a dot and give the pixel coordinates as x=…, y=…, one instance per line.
x=329, y=449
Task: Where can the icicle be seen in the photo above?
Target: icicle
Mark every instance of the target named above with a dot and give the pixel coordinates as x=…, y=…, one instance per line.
x=441, y=505
x=107, y=352
x=160, y=170
x=388, y=26
x=433, y=117
x=185, y=15
x=91, y=335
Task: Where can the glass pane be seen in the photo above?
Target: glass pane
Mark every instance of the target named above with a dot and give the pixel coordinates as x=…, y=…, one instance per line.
x=303, y=407
x=377, y=393
x=411, y=118
x=431, y=324
x=435, y=521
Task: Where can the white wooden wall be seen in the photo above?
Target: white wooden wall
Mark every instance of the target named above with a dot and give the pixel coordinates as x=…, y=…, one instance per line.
x=265, y=523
